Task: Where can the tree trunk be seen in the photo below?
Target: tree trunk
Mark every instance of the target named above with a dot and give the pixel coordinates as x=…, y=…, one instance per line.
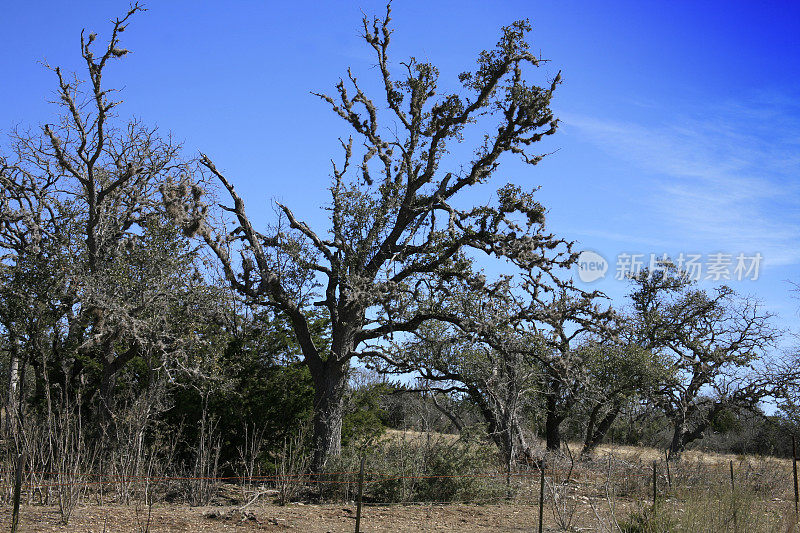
x=453, y=417
x=552, y=426
x=329, y=387
x=525, y=454
x=15, y=379
x=678, y=437
x=507, y=437
x=596, y=433
x=501, y=426
x=113, y=363
x=106, y=397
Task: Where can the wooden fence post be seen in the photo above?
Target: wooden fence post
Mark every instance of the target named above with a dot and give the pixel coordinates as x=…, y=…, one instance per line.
x=666, y=463
x=360, y=494
x=794, y=469
x=733, y=499
x=541, y=497
x=733, y=485
x=655, y=486
x=17, y=491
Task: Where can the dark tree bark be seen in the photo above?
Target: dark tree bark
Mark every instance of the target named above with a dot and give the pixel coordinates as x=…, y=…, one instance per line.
x=552, y=425
x=685, y=430
x=329, y=387
x=596, y=432
x=678, y=443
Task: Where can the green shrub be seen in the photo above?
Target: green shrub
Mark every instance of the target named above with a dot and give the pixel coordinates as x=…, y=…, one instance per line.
x=417, y=468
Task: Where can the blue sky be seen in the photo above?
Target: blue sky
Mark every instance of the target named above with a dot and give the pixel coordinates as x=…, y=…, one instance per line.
x=681, y=120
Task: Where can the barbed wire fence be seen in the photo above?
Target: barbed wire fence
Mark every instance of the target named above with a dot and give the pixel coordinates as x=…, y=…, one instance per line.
x=556, y=485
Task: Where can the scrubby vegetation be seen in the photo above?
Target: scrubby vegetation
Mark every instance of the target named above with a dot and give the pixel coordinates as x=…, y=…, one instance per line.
x=160, y=348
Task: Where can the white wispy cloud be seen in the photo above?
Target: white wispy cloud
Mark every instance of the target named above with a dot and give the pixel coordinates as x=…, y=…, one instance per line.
x=725, y=177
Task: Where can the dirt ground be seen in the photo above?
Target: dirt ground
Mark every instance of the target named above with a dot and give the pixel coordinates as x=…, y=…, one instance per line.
x=465, y=518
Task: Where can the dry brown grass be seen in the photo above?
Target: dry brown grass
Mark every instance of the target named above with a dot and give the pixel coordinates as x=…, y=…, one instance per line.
x=611, y=491
x=417, y=436
x=648, y=455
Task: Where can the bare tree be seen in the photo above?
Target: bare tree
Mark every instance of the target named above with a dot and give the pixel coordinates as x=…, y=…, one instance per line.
x=714, y=343
x=110, y=175
x=510, y=346
x=500, y=384
x=103, y=275
x=566, y=320
x=397, y=235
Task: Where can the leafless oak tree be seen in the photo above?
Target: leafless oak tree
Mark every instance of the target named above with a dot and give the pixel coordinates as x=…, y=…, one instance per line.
x=714, y=343
x=397, y=233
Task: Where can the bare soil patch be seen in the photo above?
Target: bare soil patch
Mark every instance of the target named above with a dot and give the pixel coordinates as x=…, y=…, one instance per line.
x=309, y=518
